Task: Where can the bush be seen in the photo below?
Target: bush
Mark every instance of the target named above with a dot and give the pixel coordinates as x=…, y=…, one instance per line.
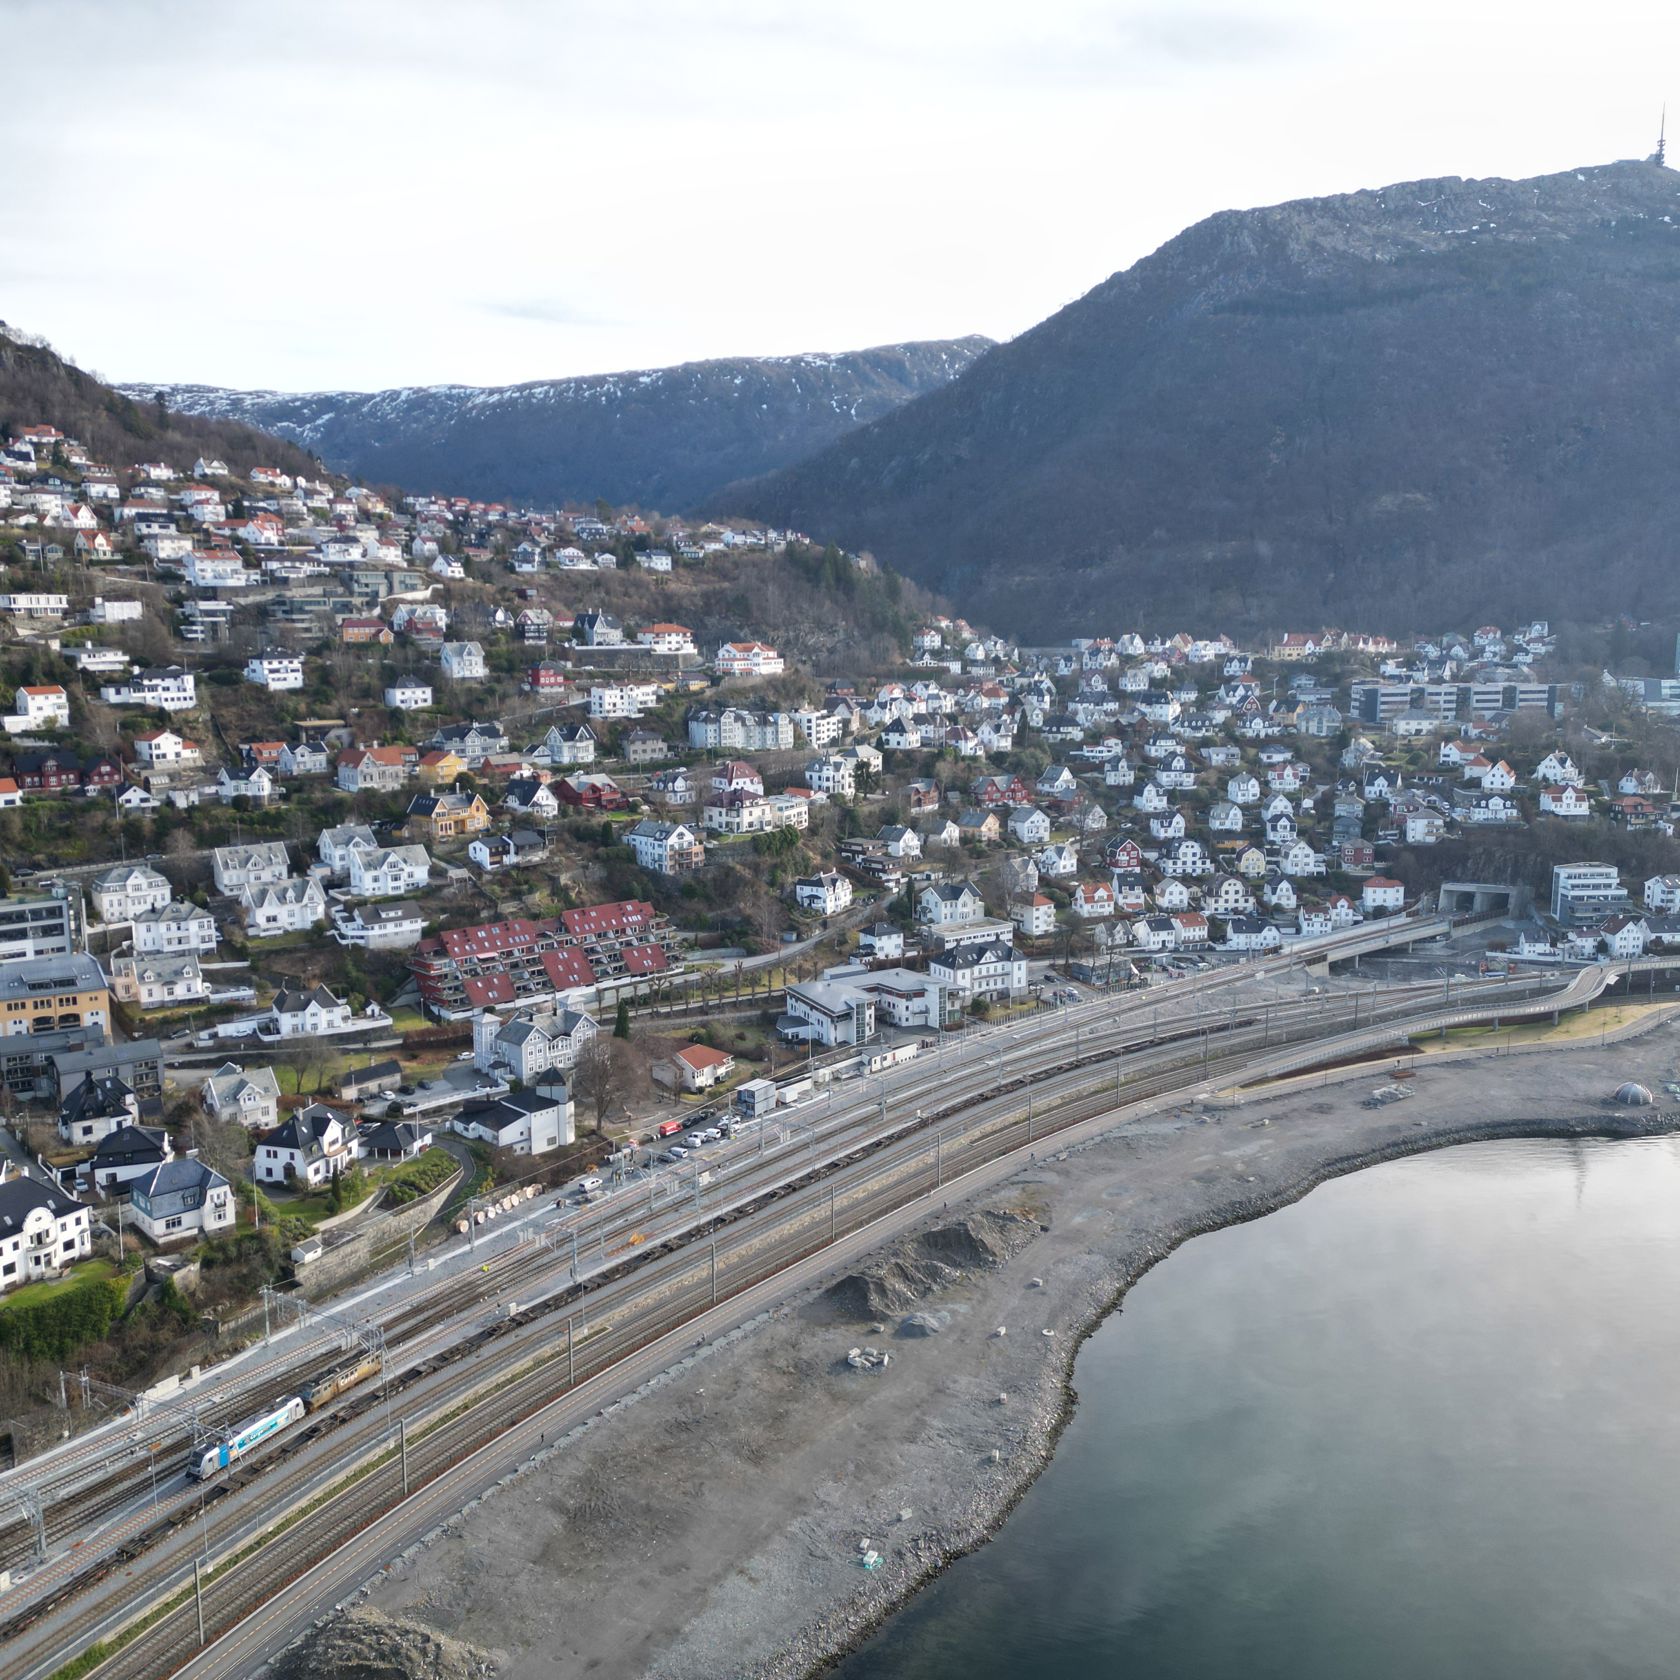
x=173, y=1304
x=417, y=1177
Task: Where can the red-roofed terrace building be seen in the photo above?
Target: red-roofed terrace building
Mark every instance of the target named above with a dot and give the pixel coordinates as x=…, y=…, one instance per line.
x=461, y=971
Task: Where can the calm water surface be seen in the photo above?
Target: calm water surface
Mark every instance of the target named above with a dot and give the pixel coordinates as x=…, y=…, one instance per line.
x=1422, y=1423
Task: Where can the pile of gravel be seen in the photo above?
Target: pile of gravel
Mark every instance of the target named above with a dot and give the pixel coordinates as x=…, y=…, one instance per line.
x=919, y=1266
x=362, y=1644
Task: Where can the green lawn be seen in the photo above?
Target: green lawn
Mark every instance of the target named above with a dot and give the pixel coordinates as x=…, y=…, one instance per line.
x=291, y=1079
x=32, y=1294
x=314, y=1207
x=267, y=944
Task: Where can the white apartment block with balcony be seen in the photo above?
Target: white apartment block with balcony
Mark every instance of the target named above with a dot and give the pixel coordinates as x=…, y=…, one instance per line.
x=275, y=671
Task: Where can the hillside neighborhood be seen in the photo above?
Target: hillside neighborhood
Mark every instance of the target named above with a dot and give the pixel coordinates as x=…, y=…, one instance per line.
x=362, y=841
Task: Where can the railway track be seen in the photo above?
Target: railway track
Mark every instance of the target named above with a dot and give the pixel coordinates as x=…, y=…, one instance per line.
x=675, y=1293
x=684, y=1282
x=568, y=1364
x=441, y=1304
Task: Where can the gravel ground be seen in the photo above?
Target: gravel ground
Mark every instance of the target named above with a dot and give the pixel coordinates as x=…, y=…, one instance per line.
x=361, y=1644
x=711, y=1531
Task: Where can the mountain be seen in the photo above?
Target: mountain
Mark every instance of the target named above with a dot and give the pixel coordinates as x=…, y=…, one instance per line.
x=38, y=387
x=665, y=438
x=1446, y=401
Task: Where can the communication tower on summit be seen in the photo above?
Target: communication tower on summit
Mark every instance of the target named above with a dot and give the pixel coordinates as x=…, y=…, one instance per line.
x=1659, y=155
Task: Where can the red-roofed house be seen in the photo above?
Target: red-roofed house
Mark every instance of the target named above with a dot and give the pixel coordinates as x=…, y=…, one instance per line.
x=749, y=659
x=359, y=631
x=43, y=706
x=698, y=1067
x=1382, y=896
x=667, y=638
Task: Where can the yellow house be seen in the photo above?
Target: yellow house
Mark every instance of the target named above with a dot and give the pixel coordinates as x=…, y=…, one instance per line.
x=44, y=994
x=441, y=766
x=449, y=816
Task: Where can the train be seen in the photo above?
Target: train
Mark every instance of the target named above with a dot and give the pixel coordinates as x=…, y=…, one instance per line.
x=248, y=1435
x=325, y=1389
x=319, y=1392
x=895, y=1057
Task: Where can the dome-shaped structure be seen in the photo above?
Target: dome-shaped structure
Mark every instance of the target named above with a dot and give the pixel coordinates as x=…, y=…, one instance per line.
x=1634, y=1096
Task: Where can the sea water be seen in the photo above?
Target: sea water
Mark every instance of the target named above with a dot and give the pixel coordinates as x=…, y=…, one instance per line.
x=1424, y=1422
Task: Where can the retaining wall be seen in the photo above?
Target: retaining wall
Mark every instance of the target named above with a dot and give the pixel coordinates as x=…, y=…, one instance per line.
x=373, y=1241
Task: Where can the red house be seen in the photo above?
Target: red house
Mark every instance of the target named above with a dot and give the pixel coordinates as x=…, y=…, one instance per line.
x=1124, y=854
x=993, y=791
x=546, y=678
x=64, y=772
x=590, y=793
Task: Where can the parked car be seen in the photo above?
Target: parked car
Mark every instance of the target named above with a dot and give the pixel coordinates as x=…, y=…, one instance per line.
x=588, y=1184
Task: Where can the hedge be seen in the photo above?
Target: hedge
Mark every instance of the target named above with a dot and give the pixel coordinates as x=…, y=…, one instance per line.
x=56, y=1327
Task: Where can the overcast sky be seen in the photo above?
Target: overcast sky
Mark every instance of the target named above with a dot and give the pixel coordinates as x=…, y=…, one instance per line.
x=359, y=193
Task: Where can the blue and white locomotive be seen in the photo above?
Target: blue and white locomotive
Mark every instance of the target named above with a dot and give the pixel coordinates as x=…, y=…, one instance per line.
x=245, y=1437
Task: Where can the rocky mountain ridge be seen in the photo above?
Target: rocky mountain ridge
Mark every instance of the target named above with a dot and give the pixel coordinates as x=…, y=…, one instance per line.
x=662, y=438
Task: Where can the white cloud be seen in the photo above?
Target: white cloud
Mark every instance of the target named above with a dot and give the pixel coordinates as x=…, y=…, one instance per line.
x=396, y=191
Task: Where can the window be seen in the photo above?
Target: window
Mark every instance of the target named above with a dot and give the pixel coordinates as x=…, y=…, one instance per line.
x=172, y=1224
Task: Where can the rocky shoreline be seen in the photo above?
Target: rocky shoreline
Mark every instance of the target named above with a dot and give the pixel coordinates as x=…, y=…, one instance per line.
x=820, y=1648
x=729, y=1503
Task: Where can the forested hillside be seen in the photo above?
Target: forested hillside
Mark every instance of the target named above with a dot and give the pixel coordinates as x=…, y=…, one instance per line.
x=38, y=387
x=1397, y=408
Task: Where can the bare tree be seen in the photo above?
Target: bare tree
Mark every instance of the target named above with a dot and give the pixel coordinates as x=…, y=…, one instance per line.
x=220, y=1144
x=307, y=1058
x=609, y=1073
x=180, y=863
